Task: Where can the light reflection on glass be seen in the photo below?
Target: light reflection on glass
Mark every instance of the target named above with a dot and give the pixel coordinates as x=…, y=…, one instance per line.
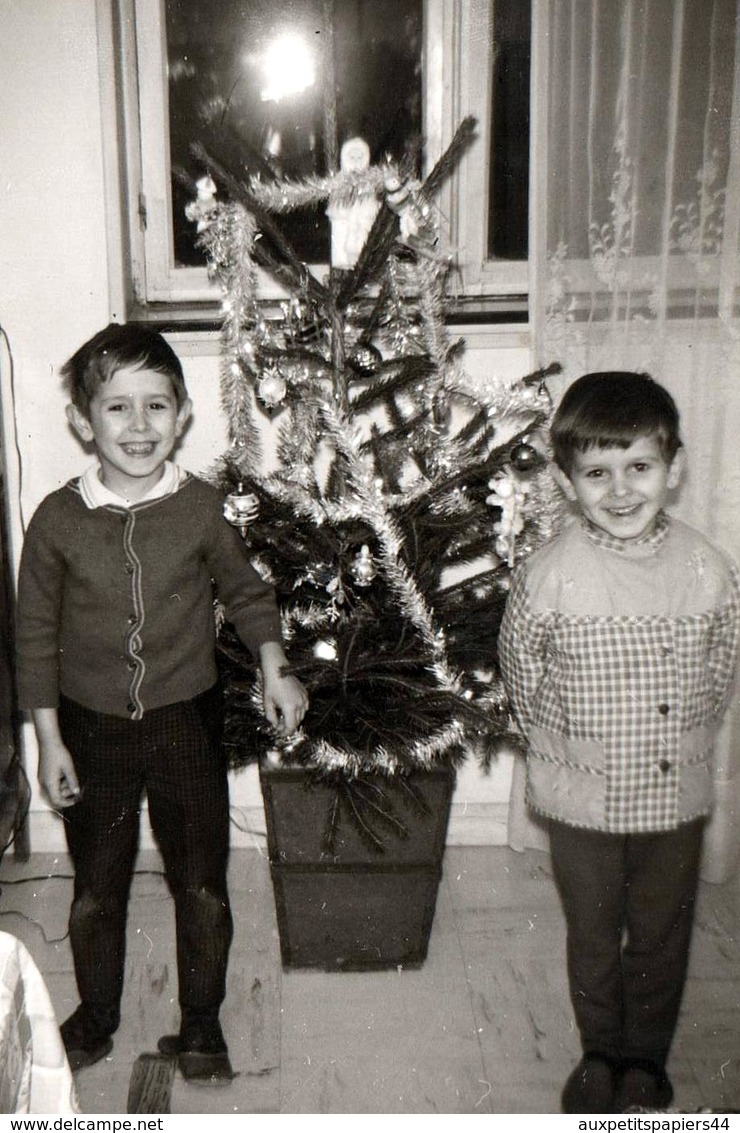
x=288, y=68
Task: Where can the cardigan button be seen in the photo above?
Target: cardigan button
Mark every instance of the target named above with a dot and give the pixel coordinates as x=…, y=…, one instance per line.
x=664, y=709
x=131, y=708
x=132, y=619
x=129, y=568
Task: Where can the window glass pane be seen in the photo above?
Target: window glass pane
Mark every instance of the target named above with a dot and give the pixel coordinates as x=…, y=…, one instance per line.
x=253, y=72
x=508, y=196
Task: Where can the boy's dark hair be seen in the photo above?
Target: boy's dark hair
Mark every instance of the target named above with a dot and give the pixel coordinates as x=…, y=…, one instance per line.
x=117, y=347
x=611, y=409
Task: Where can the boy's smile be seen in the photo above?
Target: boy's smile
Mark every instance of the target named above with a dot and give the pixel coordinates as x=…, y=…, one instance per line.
x=622, y=490
x=134, y=422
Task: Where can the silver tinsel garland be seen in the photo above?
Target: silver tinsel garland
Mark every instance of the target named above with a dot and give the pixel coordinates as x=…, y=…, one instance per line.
x=328, y=474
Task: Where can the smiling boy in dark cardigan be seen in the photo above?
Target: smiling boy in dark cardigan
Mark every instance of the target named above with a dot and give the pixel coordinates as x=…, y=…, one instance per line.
x=116, y=662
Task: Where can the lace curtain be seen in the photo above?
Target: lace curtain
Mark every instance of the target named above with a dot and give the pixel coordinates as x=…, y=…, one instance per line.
x=634, y=251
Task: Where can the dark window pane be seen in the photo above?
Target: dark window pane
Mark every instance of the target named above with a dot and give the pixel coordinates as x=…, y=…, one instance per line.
x=508, y=198
x=272, y=118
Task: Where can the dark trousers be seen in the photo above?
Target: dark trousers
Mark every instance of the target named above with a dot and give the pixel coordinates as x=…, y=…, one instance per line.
x=173, y=755
x=629, y=908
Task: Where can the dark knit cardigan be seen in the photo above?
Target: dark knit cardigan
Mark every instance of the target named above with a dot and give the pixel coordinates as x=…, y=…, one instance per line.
x=116, y=604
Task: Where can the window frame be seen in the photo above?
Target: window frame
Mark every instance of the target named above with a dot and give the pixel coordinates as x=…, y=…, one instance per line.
x=134, y=69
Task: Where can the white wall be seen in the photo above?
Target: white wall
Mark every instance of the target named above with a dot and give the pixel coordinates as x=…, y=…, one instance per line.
x=54, y=293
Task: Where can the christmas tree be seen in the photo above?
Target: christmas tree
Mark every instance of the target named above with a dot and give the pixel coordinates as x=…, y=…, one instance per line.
x=402, y=498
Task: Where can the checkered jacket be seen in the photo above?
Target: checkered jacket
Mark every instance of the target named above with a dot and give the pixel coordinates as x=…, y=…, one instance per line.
x=619, y=661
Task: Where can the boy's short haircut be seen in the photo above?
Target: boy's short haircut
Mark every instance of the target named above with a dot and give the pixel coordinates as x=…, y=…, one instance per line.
x=118, y=346
x=611, y=409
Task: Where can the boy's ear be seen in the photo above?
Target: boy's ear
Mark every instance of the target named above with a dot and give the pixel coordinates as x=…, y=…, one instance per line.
x=677, y=468
x=562, y=480
x=79, y=423
x=183, y=416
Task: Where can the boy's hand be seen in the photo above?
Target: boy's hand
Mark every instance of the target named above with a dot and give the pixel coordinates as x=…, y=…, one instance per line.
x=57, y=776
x=285, y=698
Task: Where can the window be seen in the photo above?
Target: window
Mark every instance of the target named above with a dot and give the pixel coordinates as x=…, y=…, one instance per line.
x=405, y=73
x=250, y=76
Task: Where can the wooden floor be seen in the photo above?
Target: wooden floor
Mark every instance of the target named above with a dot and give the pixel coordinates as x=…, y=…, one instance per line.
x=484, y=1026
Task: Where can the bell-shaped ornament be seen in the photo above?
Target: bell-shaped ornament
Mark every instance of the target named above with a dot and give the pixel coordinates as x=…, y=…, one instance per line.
x=241, y=508
x=362, y=568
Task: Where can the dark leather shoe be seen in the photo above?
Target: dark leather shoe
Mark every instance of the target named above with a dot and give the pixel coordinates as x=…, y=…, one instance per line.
x=642, y=1086
x=84, y=1040
x=590, y=1087
x=202, y=1054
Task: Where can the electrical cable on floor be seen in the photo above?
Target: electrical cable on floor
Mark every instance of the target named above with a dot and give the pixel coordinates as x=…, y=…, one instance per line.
x=36, y=924
x=37, y=878
x=66, y=877
x=23, y=790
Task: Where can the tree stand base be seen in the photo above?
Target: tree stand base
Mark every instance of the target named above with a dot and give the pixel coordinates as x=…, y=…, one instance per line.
x=351, y=907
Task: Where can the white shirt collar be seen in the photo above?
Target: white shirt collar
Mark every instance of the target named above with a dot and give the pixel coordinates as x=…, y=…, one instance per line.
x=95, y=494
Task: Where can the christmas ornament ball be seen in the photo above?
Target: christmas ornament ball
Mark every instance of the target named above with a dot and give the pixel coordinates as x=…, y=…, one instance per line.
x=272, y=388
x=325, y=649
x=365, y=359
x=241, y=508
x=524, y=457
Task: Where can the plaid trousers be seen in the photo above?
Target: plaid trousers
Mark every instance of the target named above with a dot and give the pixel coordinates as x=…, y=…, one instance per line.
x=173, y=755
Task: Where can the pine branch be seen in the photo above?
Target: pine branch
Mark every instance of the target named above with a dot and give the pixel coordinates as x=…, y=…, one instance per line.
x=495, y=460
x=414, y=796
x=376, y=312
x=464, y=135
x=479, y=423
x=365, y=831
x=537, y=377
x=416, y=368
x=328, y=838
x=364, y=791
x=290, y=269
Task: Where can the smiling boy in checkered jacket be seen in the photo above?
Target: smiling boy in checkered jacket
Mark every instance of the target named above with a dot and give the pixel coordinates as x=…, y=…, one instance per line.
x=618, y=648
